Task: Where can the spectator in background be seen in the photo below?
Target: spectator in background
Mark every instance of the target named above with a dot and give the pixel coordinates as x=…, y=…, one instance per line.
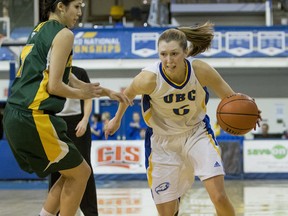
x=266, y=134
x=265, y=130
x=96, y=127
x=135, y=126
x=142, y=133
x=106, y=116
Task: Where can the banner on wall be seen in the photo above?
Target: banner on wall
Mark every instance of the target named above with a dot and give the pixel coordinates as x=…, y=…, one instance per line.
x=131, y=43
x=118, y=157
x=265, y=156
x=115, y=43
x=128, y=157
x=139, y=43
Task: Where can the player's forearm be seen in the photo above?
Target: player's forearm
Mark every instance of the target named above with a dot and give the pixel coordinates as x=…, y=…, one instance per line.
x=123, y=107
x=120, y=112
x=106, y=92
x=63, y=90
x=87, y=109
x=75, y=82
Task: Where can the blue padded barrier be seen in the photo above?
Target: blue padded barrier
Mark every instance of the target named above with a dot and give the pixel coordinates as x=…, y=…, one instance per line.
x=9, y=168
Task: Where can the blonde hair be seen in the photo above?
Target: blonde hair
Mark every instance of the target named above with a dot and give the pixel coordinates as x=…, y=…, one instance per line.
x=199, y=36
x=105, y=116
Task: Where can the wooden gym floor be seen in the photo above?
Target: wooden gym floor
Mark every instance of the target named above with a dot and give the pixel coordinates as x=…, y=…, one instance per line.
x=132, y=198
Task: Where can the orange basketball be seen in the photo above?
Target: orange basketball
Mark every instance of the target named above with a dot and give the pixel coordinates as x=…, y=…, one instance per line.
x=237, y=114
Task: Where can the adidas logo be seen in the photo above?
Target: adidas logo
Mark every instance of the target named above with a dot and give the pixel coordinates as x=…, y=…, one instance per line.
x=217, y=164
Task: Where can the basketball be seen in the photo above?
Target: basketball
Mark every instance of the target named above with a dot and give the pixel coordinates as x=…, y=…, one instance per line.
x=237, y=114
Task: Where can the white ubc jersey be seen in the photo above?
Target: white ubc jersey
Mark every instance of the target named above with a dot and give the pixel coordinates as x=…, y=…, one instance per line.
x=174, y=108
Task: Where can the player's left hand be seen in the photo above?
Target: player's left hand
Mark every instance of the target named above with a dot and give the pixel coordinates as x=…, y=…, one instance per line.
x=111, y=127
x=81, y=128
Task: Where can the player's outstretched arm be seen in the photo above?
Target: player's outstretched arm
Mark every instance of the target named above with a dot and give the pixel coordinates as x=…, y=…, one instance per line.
x=113, y=125
x=121, y=97
x=143, y=83
x=90, y=90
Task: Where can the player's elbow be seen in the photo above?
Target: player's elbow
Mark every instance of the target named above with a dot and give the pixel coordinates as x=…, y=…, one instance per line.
x=52, y=88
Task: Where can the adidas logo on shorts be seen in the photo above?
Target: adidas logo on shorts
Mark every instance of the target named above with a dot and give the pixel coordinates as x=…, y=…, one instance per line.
x=217, y=164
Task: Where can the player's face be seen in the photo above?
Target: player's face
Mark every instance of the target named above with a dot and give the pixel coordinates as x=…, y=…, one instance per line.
x=72, y=13
x=136, y=117
x=171, y=55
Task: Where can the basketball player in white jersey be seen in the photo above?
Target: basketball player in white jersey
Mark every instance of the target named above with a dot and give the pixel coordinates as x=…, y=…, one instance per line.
x=180, y=143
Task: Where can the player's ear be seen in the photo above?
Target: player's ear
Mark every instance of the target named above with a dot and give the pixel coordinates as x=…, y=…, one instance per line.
x=186, y=52
x=60, y=6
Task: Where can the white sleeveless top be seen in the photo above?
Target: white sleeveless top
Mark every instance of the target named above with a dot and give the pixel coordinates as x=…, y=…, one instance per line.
x=71, y=107
x=172, y=108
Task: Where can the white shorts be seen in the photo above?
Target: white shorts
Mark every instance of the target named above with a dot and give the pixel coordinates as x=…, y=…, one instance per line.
x=176, y=160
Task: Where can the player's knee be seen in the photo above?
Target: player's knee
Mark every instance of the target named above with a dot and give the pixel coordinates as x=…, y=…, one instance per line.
x=219, y=198
x=80, y=173
x=168, y=209
x=86, y=170
x=167, y=213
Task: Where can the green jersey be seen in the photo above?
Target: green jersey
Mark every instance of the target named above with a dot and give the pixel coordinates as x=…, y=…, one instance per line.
x=29, y=89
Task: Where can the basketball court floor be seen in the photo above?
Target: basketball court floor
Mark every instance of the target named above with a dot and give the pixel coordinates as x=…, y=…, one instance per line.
x=132, y=198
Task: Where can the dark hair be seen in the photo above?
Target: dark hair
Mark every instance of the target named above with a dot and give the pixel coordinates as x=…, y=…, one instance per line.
x=97, y=116
x=199, y=36
x=50, y=6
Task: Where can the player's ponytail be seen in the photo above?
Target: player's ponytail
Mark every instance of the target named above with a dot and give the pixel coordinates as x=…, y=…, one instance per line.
x=47, y=7
x=199, y=36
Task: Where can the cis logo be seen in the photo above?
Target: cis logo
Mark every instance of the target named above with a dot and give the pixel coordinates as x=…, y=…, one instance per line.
x=122, y=156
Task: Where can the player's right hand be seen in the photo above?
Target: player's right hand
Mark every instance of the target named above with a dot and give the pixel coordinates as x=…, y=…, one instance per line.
x=259, y=119
x=91, y=90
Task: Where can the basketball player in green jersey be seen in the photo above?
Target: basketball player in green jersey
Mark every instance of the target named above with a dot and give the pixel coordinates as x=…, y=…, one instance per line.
x=37, y=137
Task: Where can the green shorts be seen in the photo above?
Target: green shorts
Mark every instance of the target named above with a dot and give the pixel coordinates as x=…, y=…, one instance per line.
x=39, y=141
